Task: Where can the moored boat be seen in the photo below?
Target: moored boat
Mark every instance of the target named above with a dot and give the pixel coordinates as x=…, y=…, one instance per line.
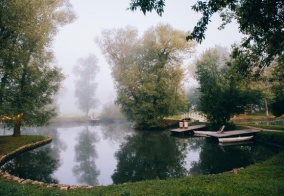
x=235, y=139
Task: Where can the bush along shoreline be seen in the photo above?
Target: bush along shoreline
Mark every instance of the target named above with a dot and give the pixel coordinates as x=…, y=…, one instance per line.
x=264, y=178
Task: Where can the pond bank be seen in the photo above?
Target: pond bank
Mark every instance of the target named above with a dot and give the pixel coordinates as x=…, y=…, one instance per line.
x=260, y=179
x=26, y=147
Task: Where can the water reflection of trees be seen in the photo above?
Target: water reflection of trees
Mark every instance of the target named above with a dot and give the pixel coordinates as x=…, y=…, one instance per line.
x=57, y=144
x=192, y=143
x=261, y=152
x=148, y=155
x=41, y=163
x=216, y=159
x=116, y=132
x=37, y=165
x=86, y=169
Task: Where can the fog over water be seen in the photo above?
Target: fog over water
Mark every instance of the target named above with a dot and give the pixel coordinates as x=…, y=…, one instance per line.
x=76, y=40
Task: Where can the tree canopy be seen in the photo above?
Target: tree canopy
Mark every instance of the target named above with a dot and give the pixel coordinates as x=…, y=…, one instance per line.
x=147, y=71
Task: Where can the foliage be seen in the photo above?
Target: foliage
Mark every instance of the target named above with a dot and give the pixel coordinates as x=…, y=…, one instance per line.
x=86, y=70
x=277, y=106
x=261, y=21
x=148, y=6
x=147, y=71
x=33, y=98
x=221, y=96
x=193, y=97
x=253, y=79
x=28, y=82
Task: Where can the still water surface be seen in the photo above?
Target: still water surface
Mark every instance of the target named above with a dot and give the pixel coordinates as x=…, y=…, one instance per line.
x=115, y=153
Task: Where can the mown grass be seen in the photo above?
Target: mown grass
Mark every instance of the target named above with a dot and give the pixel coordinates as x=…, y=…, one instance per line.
x=257, y=116
x=265, y=178
x=271, y=127
x=9, y=143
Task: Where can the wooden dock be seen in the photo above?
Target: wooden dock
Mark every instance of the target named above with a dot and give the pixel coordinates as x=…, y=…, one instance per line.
x=226, y=133
x=188, y=129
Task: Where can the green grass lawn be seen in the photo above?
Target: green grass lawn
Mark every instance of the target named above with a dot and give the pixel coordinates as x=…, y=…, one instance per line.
x=9, y=143
x=257, y=116
x=265, y=178
x=271, y=127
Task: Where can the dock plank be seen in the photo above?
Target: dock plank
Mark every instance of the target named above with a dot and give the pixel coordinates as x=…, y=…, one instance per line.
x=187, y=129
x=226, y=133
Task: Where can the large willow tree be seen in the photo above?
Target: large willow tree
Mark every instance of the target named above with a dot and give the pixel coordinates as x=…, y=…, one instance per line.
x=147, y=71
x=28, y=81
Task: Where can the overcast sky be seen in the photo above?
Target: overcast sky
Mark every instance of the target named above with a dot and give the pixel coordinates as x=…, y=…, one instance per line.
x=76, y=40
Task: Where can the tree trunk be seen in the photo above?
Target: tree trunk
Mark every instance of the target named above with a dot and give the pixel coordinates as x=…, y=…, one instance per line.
x=266, y=108
x=17, y=129
x=2, y=88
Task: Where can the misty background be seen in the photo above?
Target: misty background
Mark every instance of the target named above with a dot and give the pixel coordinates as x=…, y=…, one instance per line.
x=76, y=40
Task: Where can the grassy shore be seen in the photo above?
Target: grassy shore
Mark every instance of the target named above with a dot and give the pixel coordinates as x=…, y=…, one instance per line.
x=9, y=143
x=265, y=178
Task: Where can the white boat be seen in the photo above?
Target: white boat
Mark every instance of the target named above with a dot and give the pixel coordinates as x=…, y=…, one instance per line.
x=235, y=139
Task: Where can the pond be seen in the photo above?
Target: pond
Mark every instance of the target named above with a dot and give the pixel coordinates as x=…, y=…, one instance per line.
x=115, y=153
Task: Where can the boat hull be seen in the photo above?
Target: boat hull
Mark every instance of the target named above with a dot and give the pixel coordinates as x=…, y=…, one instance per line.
x=234, y=139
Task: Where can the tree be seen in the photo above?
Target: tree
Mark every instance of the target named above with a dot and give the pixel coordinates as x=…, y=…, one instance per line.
x=147, y=71
x=193, y=97
x=30, y=96
x=85, y=86
x=262, y=22
x=28, y=82
x=221, y=96
x=263, y=85
x=277, y=107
